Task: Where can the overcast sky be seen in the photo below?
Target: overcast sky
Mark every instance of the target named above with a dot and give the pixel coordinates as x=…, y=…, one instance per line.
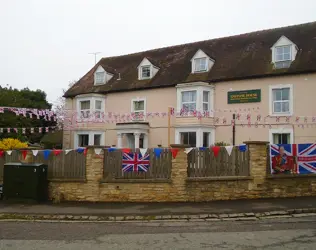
x=45, y=44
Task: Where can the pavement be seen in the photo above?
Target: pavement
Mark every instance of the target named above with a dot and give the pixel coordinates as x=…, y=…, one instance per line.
x=276, y=233
x=215, y=210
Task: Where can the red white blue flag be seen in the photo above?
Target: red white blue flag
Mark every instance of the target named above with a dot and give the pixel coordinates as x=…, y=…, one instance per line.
x=293, y=158
x=134, y=162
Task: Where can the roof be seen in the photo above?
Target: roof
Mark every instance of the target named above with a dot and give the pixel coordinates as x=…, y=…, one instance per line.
x=236, y=57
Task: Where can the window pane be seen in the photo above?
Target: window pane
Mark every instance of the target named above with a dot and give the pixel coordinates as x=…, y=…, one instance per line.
x=84, y=105
x=98, y=104
x=287, y=57
x=192, y=96
x=139, y=105
x=97, y=140
x=286, y=94
x=185, y=96
x=286, y=49
x=99, y=77
x=189, y=107
x=192, y=139
x=206, y=95
x=206, y=137
x=200, y=64
x=281, y=138
x=146, y=71
x=83, y=140
x=279, y=50
x=277, y=107
x=205, y=107
x=184, y=138
x=277, y=94
x=285, y=106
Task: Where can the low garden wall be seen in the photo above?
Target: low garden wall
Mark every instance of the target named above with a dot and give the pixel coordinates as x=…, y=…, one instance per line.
x=102, y=184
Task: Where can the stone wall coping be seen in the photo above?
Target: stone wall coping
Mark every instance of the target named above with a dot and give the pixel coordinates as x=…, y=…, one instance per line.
x=257, y=142
x=219, y=178
x=180, y=146
x=135, y=181
x=68, y=180
x=291, y=176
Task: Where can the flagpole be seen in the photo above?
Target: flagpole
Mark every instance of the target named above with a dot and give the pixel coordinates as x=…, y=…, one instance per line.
x=169, y=117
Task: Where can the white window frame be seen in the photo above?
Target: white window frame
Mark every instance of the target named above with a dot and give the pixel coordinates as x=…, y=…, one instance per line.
x=282, y=46
x=92, y=100
x=91, y=137
x=133, y=111
x=281, y=131
x=141, y=72
x=199, y=96
x=196, y=64
x=208, y=101
x=196, y=93
x=199, y=134
x=291, y=101
x=100, y=69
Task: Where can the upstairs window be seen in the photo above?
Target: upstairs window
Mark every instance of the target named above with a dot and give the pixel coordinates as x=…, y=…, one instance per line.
x=84, y=109
x=188, y=101
x=99, y=78
x=206, y=100
x=138, y=109
x=283, y=53
x=98, y=108
x=281, y=100
x=200, y=64
x=145, y=72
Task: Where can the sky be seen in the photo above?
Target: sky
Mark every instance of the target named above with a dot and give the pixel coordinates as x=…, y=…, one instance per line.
x=45, y=44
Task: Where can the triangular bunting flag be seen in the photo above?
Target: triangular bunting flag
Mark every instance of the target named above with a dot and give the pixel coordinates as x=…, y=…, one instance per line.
x=143, y=151
x=188, y=150
x=35, y=152
x=1, y=153
x=85, y=151
x=24, y=153
x=97, y=151
x=202, y=148
x=57, y=152
x=80, y=150
x=243, y=147
x=229, y=149
x=67, y=151
x=9, y=152
x=112, y=149
x=174, y=152
x=46, y=154
x=126, y=150
x=158, y=151
x=216, y=150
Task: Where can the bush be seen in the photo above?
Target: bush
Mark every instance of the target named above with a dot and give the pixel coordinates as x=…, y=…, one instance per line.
x=221, y=143
x=10, y=143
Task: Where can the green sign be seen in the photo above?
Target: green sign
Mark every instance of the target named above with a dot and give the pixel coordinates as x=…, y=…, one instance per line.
x=244, y=96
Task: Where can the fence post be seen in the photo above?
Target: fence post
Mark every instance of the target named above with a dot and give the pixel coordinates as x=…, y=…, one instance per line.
x=257, y=162
x=179, y=173
x=94, y=173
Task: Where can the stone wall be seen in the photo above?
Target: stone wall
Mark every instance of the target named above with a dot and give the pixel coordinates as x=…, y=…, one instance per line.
x=181, y=188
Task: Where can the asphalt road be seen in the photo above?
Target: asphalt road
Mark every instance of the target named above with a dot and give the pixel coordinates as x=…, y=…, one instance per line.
x=286, y=233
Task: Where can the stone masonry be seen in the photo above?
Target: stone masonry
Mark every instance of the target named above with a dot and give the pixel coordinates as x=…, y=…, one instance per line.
x=180, y=188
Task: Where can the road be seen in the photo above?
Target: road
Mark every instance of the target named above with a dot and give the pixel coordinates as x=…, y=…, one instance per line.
x=279, y=233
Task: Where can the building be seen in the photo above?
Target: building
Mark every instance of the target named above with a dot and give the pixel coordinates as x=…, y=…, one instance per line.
x=266, y=78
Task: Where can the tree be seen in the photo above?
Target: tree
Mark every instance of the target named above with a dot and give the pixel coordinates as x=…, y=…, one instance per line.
x=60, y=106
x=24, y=98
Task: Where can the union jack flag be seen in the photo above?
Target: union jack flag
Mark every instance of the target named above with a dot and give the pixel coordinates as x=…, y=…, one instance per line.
x=304, y=156
x=134, y=162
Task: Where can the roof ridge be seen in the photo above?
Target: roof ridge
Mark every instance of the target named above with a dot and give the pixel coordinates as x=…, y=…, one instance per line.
x=207, y=40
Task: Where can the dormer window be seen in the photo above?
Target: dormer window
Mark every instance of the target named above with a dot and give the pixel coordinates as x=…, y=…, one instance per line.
x=145, y=72
x=200, y=64
x=283, y=53
x=101, y=76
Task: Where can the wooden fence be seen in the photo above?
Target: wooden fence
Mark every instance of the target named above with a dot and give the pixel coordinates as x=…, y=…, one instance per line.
x=159, y=168
x=203, y=163
x=71, y=166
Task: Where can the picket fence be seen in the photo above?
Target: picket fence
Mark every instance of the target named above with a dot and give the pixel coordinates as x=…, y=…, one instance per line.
x=203, y=163
x=71, y=166
x=160, y=167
